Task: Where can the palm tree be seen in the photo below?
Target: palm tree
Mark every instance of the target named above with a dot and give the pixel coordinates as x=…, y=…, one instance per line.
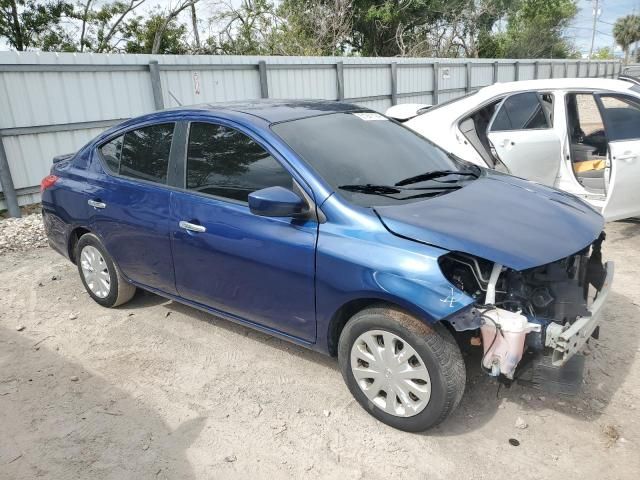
x=626, y=30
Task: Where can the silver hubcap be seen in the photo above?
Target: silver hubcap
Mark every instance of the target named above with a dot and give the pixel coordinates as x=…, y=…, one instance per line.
x=390, y=373
x=95, y=271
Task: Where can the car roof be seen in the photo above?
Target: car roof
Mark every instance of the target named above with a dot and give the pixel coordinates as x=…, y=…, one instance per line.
x=462, y=105
x=274, y=111
x=555, y=84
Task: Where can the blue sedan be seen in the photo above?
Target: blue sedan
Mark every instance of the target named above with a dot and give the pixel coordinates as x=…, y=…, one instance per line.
x=336, y=228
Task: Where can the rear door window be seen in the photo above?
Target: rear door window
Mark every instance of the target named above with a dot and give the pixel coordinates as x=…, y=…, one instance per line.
x=522, y=111
x=622, y=117
x=142, y=154
x=145, y=153
x=224, y=162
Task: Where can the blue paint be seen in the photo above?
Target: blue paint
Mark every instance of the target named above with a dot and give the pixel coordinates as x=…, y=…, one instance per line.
x=289, y=276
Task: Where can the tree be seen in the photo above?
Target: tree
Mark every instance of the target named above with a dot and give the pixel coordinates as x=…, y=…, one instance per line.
x=248, y=29
x=626, y=30
x=170, y=15
x=535, y=29
x=141, y=34
x=312, y=27
x=29, y=24
x=604, y=53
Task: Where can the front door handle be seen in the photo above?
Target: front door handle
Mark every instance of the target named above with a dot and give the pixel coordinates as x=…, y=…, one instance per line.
x=192, y=227
x=97, y=204
x=626, y=156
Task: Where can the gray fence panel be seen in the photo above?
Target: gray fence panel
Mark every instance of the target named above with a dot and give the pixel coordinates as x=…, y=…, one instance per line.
x=52, y=104
x=506, y=73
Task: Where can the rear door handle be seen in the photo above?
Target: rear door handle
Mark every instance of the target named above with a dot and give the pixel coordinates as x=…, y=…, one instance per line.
x=96, y=204
x=192, y=227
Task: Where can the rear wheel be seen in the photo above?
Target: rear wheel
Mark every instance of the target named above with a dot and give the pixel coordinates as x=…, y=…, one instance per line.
x=403, y=372
x=101, y=277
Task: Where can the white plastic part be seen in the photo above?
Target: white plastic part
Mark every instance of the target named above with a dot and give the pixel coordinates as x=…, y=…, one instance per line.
x=490, y=297
x=503, y=349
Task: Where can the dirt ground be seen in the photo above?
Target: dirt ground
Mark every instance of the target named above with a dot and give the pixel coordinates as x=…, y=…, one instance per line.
x=158, y=390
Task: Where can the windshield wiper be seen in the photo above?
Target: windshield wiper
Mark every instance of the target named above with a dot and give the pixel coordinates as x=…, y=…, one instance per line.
x=423, y=177
x=386, y=190
x=372, y=189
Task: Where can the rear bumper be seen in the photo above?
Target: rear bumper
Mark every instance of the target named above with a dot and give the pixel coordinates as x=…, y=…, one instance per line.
x=567, y=340
x=57, y=232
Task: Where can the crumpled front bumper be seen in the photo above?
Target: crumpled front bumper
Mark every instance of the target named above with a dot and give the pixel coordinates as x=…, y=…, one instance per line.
x=567, y=340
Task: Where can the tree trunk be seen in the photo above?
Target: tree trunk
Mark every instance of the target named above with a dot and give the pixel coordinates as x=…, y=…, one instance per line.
x=17, y=28
x=157, y=39
x=194, y=22
x=626, y=55
x=84, y=24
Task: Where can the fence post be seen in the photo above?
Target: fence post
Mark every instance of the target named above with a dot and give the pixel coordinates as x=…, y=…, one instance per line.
x=436, y=73
x=340, y=79
x=10, y=197
x=551, y=68
x=536, y=68
x=578, y=69
x=495, y=72
x=264, y=85
x=565, y=70
x=468, y=67
x=517, y=72
x=394, y=83
x=156, y=85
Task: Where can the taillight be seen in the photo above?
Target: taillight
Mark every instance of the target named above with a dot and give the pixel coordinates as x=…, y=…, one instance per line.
x=47, y=182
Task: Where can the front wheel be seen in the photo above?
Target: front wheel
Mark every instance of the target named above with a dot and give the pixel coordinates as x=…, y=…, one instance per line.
x=403, y=372
x=100, y=275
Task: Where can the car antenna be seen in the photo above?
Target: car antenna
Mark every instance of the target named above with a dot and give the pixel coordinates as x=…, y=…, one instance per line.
x=175, y=99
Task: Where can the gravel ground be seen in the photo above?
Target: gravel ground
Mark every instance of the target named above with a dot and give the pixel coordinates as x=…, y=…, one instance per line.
x=157, y=390
x=22, y=234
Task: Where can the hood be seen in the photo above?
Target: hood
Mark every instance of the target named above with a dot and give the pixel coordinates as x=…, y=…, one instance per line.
x=500, y=218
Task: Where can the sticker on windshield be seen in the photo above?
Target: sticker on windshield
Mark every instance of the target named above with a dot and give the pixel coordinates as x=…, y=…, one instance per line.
x=369, y=116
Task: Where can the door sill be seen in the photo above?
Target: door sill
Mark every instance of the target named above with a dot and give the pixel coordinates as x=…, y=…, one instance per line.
x=228, y=316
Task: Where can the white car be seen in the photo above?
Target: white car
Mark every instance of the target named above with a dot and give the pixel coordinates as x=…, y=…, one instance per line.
x=580, y=135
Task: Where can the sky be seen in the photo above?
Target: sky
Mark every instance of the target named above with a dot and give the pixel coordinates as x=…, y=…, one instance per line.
x=582, y=25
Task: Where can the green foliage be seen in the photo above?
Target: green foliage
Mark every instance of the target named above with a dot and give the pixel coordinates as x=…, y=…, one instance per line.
x=456, y=28
x=140, y=34
x=535, y=29
x=626, y=30
x=28, y=24
x=604, y=53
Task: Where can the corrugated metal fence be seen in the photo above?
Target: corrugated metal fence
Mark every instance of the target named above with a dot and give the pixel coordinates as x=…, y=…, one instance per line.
x=52, y=104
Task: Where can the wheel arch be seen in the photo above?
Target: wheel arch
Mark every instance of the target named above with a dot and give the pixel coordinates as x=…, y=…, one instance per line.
x=348, y=309
x=74, y=237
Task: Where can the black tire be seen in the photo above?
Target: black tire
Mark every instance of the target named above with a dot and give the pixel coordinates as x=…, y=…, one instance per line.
x=434, y=344
x=120, y=291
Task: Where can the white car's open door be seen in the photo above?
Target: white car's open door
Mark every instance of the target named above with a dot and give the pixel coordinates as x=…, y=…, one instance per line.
x=522, y=136
x=621, y=115
x=623, y=195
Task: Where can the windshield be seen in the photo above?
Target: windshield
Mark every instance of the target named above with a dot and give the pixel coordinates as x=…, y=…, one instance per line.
x=371, y=160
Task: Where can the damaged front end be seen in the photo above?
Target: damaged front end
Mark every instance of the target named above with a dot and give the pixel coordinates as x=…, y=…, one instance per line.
x=551, y=309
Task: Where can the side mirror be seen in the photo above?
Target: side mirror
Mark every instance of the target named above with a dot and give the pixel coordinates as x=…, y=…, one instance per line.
x=276, y=202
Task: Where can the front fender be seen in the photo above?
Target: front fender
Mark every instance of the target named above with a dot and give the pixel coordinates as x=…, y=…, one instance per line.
x=377, y=265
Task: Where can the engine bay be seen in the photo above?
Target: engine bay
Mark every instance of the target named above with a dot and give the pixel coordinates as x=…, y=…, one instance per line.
x=514, y=310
